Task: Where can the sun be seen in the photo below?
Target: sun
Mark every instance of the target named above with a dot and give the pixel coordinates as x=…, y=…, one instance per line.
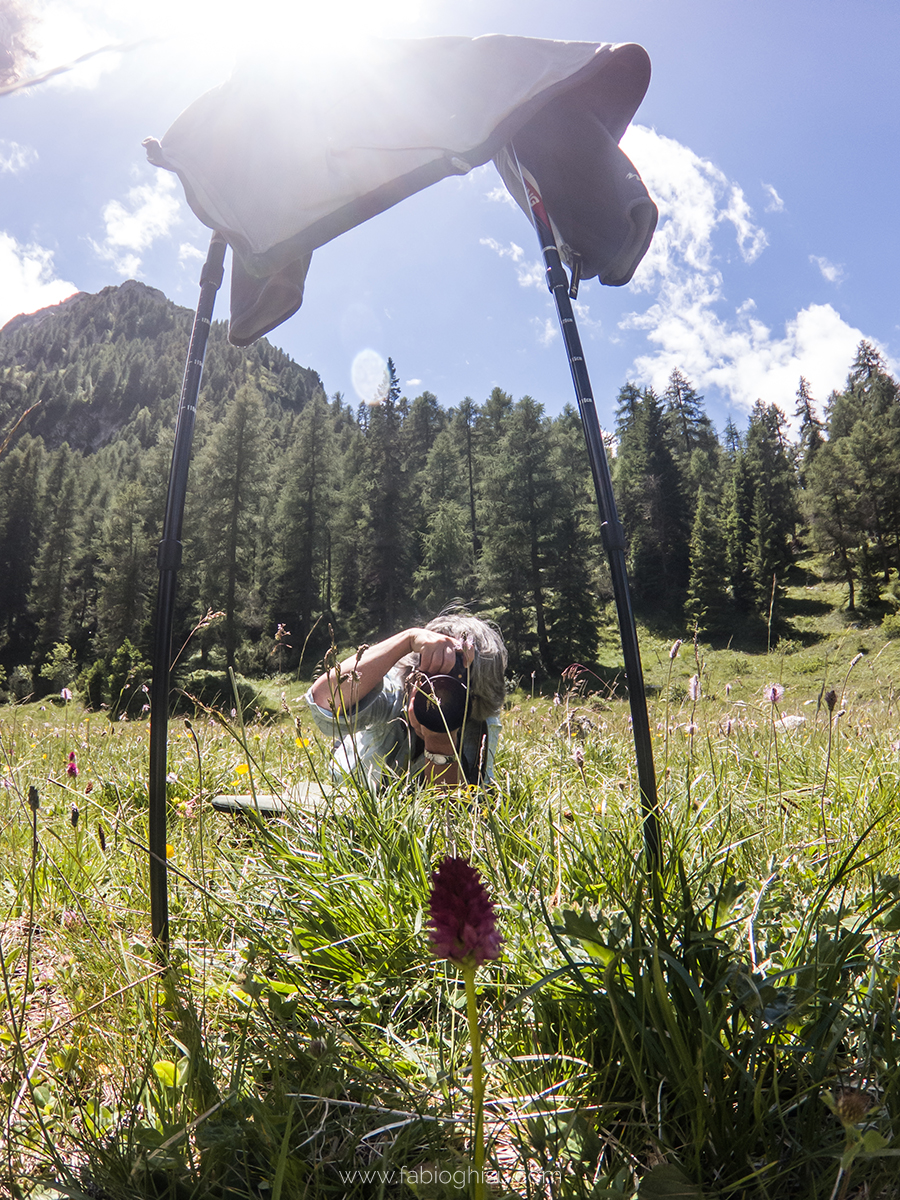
x=278, y=25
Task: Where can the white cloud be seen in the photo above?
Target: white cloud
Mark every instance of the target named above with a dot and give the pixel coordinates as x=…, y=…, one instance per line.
x=500, y=194
x=532, y=274
x=27, y=279
x=833, y=272
x=547, y=330
x=694, y=198
x=516, y=253
x=15, y=158
x=149, y=212
x=734, y=352
x=751, y=239
x=412, y=383
x=775, y=204
x=742, y=359
x=529, y=274
x=585, y=321
x=189, y=253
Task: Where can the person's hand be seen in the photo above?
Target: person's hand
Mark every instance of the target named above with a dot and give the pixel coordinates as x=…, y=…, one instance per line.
x=437, y=651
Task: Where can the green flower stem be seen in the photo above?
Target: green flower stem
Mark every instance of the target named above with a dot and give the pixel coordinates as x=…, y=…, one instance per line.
x=477, y=1084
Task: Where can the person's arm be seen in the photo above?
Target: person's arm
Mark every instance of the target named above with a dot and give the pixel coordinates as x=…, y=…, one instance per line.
x=361, y=673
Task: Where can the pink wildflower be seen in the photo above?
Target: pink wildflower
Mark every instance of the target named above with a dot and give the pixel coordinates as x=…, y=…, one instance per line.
x=774, y=692
x=72, y=767
x=463, y=923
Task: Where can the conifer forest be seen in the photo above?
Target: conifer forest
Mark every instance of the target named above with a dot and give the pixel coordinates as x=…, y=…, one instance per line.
x=311, y=519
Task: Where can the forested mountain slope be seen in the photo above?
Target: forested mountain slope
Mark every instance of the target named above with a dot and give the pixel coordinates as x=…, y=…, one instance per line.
x=307, y=515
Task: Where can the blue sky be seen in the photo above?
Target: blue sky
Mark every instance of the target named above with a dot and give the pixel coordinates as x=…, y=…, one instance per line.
x=769, y=138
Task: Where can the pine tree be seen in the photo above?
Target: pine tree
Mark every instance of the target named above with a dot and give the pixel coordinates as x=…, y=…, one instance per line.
x=231, y=472
x=386, y=548
x=493, y=417
x=48, y=598
x=774, y=514
x=692, y=437
x=20, y=473
x=652, y=506
x=125, y=570
x=463, y=426
x=707, y=603
x=521, y=495
x=447, y=568
x=739, y=497
x=811, y=429
x=421, y=426
x=577, y=571
x=828, y=503
x=853, y=492
x=83, y=583
x=303, y=521
x=349, y=533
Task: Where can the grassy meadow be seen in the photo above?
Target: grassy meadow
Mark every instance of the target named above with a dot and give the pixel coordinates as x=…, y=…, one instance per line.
x=727, y=1028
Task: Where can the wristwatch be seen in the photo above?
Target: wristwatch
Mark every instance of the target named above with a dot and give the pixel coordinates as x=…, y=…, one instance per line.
x=439, y=760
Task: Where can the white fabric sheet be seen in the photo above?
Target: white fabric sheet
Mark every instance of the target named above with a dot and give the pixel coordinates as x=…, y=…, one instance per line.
x=291, y=153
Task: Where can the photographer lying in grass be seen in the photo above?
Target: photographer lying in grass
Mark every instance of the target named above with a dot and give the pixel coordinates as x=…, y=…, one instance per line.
x=368, y=704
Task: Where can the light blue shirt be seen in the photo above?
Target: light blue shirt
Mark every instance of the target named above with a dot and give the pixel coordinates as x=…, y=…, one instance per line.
x=374, y=739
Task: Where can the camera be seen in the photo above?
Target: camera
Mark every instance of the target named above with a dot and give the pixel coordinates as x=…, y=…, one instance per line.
x=440, y=700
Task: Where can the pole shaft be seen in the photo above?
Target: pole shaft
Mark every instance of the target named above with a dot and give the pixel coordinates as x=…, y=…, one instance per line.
x=169, y=561
x=610, y=526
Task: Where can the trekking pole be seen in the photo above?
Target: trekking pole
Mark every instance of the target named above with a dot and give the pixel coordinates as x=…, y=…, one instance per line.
x=169, y=561
x=610, y=526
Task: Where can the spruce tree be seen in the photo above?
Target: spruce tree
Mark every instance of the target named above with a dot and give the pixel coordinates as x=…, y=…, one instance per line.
x=811, y=429
x=859, y=512
x=446, y=571
x=49, y=592
x=230, y=474
x=829, y=506
x=463, y=426
x=125, y=570
x=652, y=506
x=775, y=513
x=707, y=604
x=739, y=497
x=521, y=495
x=302, y=525
x=576, y=573
x=349, y=532
x=692, y=437
x=20, y=474
x=386, y=551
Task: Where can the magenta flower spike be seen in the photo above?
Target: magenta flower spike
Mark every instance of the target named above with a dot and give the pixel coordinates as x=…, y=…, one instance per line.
x=463, y=924
x=72, y=768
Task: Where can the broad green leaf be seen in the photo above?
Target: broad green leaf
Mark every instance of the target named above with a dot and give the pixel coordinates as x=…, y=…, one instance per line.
x=873, y=1141
x=665, y=1182
x=165, y=1072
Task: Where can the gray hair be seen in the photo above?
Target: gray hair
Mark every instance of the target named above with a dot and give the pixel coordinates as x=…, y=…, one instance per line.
x=487, y=674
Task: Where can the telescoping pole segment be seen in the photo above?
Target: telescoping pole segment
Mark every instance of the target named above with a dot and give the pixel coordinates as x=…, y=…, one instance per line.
x=169, y=561
x=610, y=525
